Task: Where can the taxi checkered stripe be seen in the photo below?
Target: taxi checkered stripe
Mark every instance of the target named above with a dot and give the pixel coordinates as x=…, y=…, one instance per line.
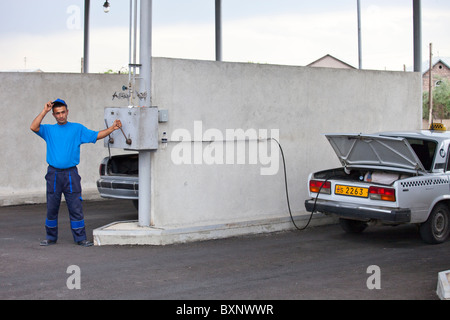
x=427, y=182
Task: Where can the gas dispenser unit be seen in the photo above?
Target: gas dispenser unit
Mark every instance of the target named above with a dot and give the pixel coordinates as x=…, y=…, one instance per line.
x=139, y=128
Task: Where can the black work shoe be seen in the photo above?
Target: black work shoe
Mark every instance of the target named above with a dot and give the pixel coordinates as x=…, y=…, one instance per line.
x=85, y=243
x=45, y=243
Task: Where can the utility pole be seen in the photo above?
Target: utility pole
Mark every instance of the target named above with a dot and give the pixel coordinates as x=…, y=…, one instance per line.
x=430, y=87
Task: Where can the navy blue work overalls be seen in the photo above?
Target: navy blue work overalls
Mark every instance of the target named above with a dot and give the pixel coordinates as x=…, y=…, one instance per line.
x=66, y=181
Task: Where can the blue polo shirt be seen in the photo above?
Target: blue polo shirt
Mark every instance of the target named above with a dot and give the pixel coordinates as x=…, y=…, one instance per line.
x=64, y=141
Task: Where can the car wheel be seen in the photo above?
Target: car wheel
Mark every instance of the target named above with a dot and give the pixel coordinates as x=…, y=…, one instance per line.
x=436, y=229
x=352, y=226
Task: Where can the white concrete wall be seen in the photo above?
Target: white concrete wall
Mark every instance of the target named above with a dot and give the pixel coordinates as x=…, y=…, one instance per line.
x=301, y=102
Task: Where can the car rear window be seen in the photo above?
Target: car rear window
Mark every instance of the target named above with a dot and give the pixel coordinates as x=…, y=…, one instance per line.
x=425, y=151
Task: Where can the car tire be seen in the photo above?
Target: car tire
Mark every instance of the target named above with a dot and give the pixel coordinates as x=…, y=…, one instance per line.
x=352, y=226
x=436, y=229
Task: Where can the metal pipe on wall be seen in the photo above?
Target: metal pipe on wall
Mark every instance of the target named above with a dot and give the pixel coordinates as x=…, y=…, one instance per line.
x=132, y=52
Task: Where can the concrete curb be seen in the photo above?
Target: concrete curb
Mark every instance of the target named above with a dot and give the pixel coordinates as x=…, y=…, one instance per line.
x=130, y=233
x=28, y=198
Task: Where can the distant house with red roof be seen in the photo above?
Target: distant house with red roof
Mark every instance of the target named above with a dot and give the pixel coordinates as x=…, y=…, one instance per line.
x=439, y=72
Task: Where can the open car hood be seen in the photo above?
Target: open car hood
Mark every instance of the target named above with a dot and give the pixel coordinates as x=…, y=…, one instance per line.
x=374, y=151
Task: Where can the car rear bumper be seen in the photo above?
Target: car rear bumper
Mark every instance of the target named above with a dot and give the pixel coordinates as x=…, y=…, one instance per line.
x=118, y=188
x=358, y=212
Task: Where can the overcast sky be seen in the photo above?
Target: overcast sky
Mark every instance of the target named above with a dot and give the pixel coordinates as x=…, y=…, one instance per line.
x=48, y=34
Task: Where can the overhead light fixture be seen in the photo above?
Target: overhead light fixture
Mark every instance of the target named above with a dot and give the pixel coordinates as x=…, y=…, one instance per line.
x=106, y=6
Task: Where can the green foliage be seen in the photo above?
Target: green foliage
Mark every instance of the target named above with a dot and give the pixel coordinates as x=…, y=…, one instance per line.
x=441, y=101
x=121, y=71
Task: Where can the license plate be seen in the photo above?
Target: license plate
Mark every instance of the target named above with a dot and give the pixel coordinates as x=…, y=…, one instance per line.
x=351, y=191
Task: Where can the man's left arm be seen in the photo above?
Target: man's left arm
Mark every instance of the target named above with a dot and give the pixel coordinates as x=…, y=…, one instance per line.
x=104, y=133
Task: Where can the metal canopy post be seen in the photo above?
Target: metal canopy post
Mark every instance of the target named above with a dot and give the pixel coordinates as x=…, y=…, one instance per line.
x=358, y=5
x=145, y=214
x=87, y=7
x=417, y=17
x=218, y=30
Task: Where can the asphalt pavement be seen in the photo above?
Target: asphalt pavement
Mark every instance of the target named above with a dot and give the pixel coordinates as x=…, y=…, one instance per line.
x=383, y=263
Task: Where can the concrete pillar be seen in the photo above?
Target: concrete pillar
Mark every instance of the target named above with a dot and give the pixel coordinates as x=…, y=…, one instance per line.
x=145, y=214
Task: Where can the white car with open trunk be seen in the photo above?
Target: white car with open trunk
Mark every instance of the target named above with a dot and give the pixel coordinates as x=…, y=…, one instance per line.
x=389, y=178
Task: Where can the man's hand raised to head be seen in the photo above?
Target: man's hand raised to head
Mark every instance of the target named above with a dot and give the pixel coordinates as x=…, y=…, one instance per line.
x=36, y=124
x=48, y=107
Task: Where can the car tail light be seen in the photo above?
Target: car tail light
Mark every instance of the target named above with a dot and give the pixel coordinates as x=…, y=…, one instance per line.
x=381, y=193
x=102, y=169
x=317, y=186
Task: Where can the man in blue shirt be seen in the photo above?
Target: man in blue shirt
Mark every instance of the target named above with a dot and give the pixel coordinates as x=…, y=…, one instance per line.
x=63, y=155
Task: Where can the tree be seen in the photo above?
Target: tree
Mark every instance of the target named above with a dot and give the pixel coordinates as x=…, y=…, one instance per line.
x=441, y=101
x=122, y=70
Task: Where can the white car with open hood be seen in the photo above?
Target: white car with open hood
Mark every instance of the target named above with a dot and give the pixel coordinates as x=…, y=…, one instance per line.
x=389, y=178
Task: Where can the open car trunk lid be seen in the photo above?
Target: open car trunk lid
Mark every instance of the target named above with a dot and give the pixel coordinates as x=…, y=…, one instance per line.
x=374, y=151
